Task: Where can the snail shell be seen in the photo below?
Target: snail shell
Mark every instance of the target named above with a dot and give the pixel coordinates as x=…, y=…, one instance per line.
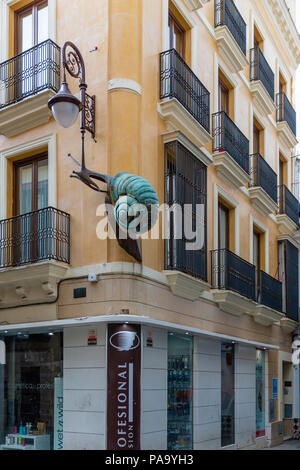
x=136, y=202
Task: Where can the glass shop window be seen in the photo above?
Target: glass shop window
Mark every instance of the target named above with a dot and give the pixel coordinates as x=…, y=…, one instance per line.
x=227, y=394
x=32, y=390
x=260, y=393
x=180, y=386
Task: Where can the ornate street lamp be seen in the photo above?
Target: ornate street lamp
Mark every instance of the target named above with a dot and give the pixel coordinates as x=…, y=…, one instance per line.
x=124, y=191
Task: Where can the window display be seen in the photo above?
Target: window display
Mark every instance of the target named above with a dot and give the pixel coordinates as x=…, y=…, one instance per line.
x=32, y=389
x=180, y=409
x=227, y=394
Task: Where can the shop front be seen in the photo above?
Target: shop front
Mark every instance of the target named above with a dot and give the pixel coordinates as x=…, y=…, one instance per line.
x=31, y=408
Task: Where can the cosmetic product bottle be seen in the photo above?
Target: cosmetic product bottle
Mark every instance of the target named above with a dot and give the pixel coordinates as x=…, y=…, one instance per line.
x=15, y=430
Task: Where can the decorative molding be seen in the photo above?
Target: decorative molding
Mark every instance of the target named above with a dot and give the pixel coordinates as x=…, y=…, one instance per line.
x=48, y=141
x=266, y=316
x=292, y=239
x=185, y=286
x=232, y=302
x=285, y=135
x=229, y=49
x=261, y=98
x=195, y=4
x=124, y=84
x=286, y=26
x=202, y=154
x=27, y=114
x=261, y=201
x=177, y=118
x=229, y=170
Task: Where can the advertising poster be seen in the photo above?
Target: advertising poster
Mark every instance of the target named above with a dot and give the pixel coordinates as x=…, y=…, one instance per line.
x=58, y=413
x=260, y=393
x=123, y=387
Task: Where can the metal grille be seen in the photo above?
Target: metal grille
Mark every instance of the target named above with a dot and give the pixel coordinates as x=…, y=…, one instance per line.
x=270, y=292
x=285, y=111
x=260, y=70
x=291, y=280
x=185, y=183
x=227, y=14
x=288, y=204
x=227, y=137
x=178, y=81
x=36, y=236
x=262, y=175
x=230, y=272
x=28, y=73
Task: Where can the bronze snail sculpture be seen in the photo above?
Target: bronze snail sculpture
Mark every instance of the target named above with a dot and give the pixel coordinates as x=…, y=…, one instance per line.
x=130, y=196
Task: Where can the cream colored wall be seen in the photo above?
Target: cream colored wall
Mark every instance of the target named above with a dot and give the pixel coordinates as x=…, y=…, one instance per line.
x=129, y=37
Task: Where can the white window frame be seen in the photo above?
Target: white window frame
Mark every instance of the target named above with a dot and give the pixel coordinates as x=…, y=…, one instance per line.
x=48, y=141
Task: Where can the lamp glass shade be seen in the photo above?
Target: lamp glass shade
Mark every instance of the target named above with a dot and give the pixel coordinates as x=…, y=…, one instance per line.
x=65, y=113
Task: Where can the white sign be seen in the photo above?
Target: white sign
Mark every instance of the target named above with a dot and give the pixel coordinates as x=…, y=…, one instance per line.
x=2, y=353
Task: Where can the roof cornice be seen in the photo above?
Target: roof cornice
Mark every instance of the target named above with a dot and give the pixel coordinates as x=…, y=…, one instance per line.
x=286, y=25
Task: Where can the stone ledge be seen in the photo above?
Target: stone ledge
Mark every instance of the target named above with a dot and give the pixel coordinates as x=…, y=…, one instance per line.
x=27, y=114
x=286, y=136
x=177, y=118
x=30, y=284
x=266, y=316
x=196, y=4
x=287, y=324
x=232, y=302
x=229, y=49
x=229, y=170
x=286, y=225
x=185, y=286
x=262, y=98
x=261, y=201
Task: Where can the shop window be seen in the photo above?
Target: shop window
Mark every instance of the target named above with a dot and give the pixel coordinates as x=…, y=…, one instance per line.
x=260, y=393
x=227, y=395
x=32, y=408
x=180, y=390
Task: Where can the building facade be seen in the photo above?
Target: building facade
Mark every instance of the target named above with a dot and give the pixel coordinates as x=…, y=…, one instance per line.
x=188, y=349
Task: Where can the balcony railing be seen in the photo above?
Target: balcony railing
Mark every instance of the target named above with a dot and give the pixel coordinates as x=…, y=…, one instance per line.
x=288, y=204
x=30, y=72
x=230, y=272
x=262, y=175
x=260, y=70
x=227, y=137
x=178, y=81
x=227, y=14
x=270, y=292
x=36, y=236
x=285, y=111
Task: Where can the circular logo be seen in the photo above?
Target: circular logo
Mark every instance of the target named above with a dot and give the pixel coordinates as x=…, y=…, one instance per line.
x=125, y=340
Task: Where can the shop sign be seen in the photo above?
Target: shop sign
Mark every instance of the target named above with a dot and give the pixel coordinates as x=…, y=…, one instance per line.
x=58, y=413
x=123, y=387
x=2, y=353
x=92, y=338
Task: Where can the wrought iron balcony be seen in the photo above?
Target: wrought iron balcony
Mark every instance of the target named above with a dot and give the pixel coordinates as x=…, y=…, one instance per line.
x=260, y=70
x=288, y=204
x=228, y=138
x=285, y=111
x=269, y=292
x=291, y=275
x=230, y=272
x=36, y=236
x=262, y=175
x=227, y=14
x=29, y=73
x=178, y=81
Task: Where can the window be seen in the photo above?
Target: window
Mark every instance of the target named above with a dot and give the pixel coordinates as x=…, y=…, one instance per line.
x=258, y=137
x=32, y=385
x=257, y=259
x=186, y=196
x=223, y=241
x=288, y=274
x=176, y=36
x=227, y=395
x=180, y=392
x=31, y=184
x=223, y=97
x=258, y=39
x=31, y=26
